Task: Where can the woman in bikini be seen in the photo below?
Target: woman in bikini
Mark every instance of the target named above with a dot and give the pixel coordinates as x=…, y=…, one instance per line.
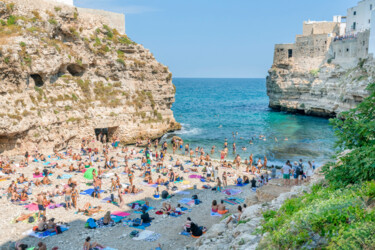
x=214, y=207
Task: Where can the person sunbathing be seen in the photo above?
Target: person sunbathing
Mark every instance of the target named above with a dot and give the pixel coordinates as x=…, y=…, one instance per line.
x=37, y=182
x=89, y=210
x=221, y=208
x=88, y=246
x=46, y=181
x=150, y=180
x=55, y=192
x=214, y=207
x=37, y=172
x=42, y=158
x=135, y=190
x=71, y=168
x=127, y=190
x=72, y=183
x=15, y=196
x=23, y=217
x=167, y=208
x=165, y=171
x=22, y=179
x=160, y=180
x=24, y=196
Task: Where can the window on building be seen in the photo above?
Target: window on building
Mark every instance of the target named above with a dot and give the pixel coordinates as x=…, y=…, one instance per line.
x=363, y=43
x=369, y=21
x=347, y=50
x=354, y=26
x=290, y=53
x=354, y=13
x=370, y=6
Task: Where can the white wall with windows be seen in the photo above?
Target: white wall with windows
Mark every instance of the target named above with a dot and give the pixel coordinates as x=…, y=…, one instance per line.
x=371, y=48
x=359, y=17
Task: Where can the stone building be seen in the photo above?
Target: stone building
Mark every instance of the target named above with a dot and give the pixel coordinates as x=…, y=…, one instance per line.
x=310, y=48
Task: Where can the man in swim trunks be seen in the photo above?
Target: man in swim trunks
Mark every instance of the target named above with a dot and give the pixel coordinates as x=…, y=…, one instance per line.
x=41, y=208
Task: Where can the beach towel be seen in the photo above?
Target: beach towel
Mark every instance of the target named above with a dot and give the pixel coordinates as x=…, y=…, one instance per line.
x=32, y=207
x=140, y=212
x=118, y=216
x=65, y=176
x=37, y=176
x=42, y=235
x=154, y=185
x=120, y=213
x=47, y=163
x=194, y=176
x=144, y=235
x=90, y=191
x=242, y=184
x=181, y=192
x=139, y=202
x=53, y=206
x=230, y=191
x=215, y=214
x=187, y=201
x=184, y=233
x=234, y=200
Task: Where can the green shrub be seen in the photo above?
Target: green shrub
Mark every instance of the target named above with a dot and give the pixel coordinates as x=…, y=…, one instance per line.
x=52, y=21
x=355, y=132
x=11, y=20
x=22, y=44
x=119, y=60
x=335, y=214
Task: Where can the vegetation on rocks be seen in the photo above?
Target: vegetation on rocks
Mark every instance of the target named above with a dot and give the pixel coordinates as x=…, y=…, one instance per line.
x=338, y=214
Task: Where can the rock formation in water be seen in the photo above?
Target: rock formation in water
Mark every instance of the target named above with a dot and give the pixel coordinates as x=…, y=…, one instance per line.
x=64, y=74
x=318, y=74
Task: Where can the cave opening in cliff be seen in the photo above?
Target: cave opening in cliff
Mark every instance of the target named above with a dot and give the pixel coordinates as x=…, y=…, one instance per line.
x=105, y=134
x=38, y=80
x=75, y=69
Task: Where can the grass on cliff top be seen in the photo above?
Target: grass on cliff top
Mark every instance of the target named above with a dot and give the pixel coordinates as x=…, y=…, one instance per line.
x=344, y=218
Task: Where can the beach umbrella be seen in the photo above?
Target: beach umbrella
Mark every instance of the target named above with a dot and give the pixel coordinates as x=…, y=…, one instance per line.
x=88, y=174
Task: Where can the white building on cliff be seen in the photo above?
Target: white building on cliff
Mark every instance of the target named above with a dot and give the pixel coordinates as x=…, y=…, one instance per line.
x=359, y=18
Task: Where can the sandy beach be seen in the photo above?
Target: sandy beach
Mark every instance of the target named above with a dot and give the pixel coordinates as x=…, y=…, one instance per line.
x=116, y=237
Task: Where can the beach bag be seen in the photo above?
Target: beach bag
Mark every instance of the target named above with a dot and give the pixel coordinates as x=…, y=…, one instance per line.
x=137, y=222
x=298, y=170
x=195, y=197
x=181, y=168
x=196, y=202
x=134, y=233
x=91, y=223
x=31, y=219
x=174, y=188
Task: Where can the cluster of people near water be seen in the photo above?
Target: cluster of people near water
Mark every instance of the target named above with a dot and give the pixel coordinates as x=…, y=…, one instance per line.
x=156, y=167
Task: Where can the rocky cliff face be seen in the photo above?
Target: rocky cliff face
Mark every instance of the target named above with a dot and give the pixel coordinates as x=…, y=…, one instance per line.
x=63, y=75
x=325, y=91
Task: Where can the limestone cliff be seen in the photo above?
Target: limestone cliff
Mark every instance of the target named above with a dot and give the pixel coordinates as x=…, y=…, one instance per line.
x=64, y=74
x=325, y=91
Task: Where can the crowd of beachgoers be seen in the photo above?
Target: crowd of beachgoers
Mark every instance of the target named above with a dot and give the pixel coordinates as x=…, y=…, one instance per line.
x=103, y=184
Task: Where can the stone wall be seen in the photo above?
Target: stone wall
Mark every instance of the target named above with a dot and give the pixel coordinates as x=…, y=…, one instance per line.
x=347, y=51
x=316, y=28
x=282, y=53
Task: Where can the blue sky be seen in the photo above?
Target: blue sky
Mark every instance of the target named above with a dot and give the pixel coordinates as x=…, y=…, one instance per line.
x=217, y=38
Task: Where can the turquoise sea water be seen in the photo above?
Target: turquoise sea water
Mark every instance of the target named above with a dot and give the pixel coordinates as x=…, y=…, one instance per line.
x=211, y=110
